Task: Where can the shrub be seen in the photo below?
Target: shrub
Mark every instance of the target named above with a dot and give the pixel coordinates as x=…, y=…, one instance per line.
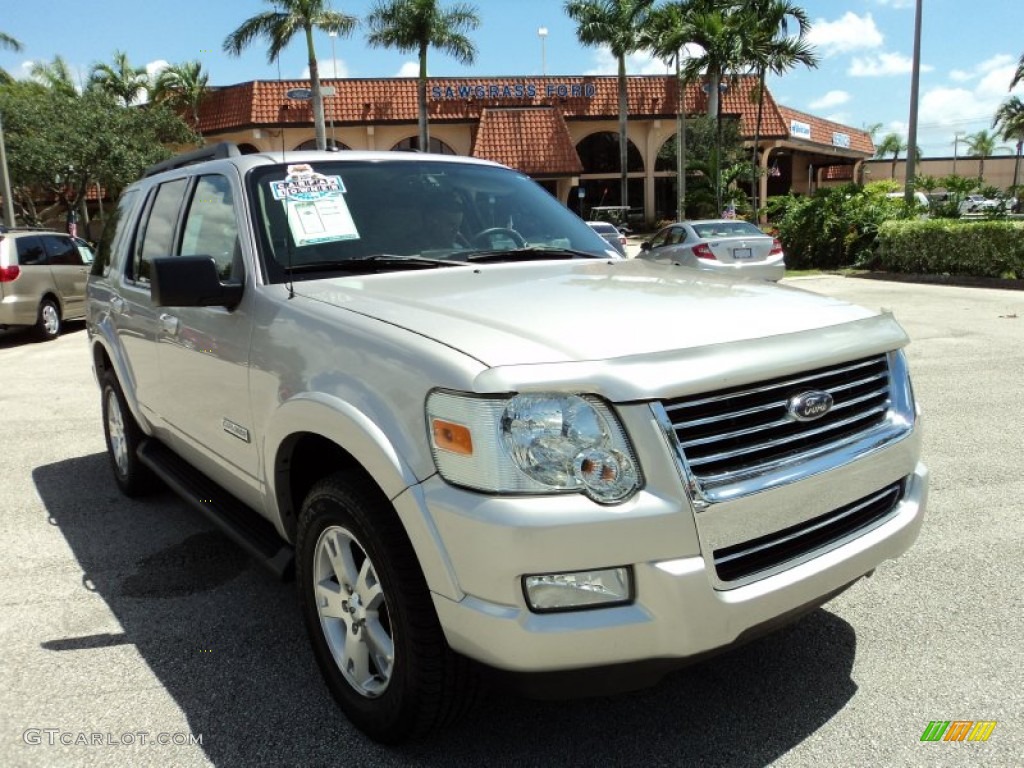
x=941, y=246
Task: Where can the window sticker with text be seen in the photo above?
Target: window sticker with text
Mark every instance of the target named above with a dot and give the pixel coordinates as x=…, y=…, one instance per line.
x=315, y=206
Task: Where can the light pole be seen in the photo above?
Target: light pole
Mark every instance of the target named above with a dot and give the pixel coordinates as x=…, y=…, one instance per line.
x=6, y=190
x=915, y=78
x=956, y=145
x=542, y=33
x=334, y=71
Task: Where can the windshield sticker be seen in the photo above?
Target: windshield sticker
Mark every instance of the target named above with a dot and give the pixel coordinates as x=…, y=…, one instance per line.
x=315, y=206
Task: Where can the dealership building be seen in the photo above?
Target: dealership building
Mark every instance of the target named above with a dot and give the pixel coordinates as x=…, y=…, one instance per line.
x=561, y=131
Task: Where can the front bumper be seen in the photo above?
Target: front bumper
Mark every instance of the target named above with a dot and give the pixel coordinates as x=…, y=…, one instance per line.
x=678, y=614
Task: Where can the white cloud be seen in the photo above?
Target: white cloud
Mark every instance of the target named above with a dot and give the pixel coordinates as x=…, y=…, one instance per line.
x=843, y=118
x=641, y=63
x=156, y=67
x=897, y=3
x=850, y=33
x=830, y=99
x=409, y=69
x=329, y=68
x=880, y=65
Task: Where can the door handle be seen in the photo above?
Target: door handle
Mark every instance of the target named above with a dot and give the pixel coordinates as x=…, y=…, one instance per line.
x=116, y=304
x=169, y=324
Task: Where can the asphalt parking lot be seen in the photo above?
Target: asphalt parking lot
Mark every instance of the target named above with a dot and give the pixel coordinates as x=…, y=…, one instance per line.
x=126, y=623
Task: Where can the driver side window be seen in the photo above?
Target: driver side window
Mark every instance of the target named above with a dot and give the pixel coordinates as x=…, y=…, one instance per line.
x=211, y=228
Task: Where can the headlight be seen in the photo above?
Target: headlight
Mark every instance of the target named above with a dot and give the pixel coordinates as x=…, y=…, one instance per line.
x=532, y=443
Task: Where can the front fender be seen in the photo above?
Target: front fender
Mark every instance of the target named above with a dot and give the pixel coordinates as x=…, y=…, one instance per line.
x=354, y=432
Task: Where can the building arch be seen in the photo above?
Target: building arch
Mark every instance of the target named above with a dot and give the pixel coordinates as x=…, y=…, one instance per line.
x=412, y=144
x=332, y=145
x=599, y=153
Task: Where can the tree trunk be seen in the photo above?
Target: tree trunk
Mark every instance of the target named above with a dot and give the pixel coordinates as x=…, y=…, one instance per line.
x=318, y=97
x=680, y=141
x=757, y=138
x=623, y=139
x=1016, y=170
x=421, y=99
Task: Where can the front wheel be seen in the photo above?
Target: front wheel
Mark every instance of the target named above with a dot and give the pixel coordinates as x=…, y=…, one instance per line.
x=370, y=618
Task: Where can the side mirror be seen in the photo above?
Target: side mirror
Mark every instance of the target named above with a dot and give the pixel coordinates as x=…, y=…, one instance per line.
x=645, y=245
x=191, y=281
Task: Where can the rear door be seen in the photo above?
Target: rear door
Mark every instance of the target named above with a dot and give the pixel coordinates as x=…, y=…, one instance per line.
x=203, y=396
x=69, y=272
x=34, y=279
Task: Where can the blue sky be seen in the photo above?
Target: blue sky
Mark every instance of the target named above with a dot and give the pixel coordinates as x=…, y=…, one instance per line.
x=969, y=51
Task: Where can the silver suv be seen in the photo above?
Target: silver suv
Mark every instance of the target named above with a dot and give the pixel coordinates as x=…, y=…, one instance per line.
x=477, y=438
x=42, y=279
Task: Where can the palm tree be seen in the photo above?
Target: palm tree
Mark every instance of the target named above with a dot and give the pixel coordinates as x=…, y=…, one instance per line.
x=418, y=25
x=122, y=81
x=1009, y=121
x=279, y=26
x=982, y=144
x=772, y=49
x=182, y=87
x=668, y=31
x=619, y=24
x=55, y=76
x=9, y=43
x=722, y=30
x=891, y=144
x=1018, y=76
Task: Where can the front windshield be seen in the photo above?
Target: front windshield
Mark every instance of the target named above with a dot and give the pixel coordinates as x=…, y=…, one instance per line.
x=405, y=212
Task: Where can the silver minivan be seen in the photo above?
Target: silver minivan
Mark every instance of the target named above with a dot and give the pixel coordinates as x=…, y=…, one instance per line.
x=42, y=279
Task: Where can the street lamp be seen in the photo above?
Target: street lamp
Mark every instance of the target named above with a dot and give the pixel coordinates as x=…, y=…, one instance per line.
x=5, y=182
x=915, y=79
x=542, y=33
x=957, y=136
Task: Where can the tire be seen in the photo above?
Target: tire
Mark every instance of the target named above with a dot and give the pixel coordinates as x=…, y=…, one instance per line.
x=123, y=436
x=48, y=322
x=370, y=618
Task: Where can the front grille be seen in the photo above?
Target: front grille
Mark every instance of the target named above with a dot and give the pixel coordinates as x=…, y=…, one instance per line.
x=744, y=430
x=750, y=557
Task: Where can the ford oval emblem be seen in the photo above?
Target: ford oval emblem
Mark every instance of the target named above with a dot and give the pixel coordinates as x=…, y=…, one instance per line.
x=811, y=405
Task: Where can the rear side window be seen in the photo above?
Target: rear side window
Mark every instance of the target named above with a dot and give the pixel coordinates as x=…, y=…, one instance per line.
x=114, y=233
x=61, y=250
x=157, y=237
x=30, y=250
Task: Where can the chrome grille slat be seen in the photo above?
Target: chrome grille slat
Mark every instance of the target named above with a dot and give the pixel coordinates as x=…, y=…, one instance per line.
x=778, y=423
x=743, y=430
x=783, y=441
x=691, y=403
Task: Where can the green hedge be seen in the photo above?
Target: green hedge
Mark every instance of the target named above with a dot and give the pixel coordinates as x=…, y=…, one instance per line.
x=943, y=246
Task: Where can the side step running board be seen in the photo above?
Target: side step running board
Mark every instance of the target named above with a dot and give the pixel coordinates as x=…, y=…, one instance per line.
x=255, y=534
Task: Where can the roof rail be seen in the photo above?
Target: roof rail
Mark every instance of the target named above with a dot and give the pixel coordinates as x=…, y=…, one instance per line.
x=214, y=152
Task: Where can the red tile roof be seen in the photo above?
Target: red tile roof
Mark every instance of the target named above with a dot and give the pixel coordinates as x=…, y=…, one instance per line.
x=824, y=131
x=464, y=100
x=534, y=140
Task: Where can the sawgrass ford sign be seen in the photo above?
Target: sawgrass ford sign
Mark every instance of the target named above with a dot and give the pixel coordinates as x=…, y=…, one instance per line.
x=512, y=91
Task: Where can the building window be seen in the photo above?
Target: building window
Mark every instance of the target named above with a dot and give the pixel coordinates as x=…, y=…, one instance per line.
x=599, y=153
x=412, y=144
x=331, y=145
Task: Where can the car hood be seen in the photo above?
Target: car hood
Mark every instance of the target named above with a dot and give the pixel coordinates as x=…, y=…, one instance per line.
x=571, y=311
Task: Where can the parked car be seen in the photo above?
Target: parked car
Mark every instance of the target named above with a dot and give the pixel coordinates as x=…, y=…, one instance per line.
x=979, y=204
x=42, y=279
x=611, y=233
x=726, y=246
x=517, y=453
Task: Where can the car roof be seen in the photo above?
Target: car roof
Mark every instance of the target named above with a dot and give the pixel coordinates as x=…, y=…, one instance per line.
x=197, y=161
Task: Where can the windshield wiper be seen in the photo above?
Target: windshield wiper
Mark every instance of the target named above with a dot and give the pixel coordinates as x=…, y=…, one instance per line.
x=529, y=253
x=378, y=262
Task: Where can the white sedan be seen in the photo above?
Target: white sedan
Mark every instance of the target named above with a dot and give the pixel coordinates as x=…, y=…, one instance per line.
x=725, y=246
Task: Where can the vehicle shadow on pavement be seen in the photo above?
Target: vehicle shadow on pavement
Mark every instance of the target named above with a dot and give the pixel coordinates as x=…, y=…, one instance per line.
x=226, y=641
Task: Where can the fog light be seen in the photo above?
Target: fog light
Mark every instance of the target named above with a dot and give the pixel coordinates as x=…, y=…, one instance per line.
x=582, y=589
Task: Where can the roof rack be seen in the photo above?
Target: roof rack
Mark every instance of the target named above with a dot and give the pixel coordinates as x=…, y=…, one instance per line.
x=214, y=152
